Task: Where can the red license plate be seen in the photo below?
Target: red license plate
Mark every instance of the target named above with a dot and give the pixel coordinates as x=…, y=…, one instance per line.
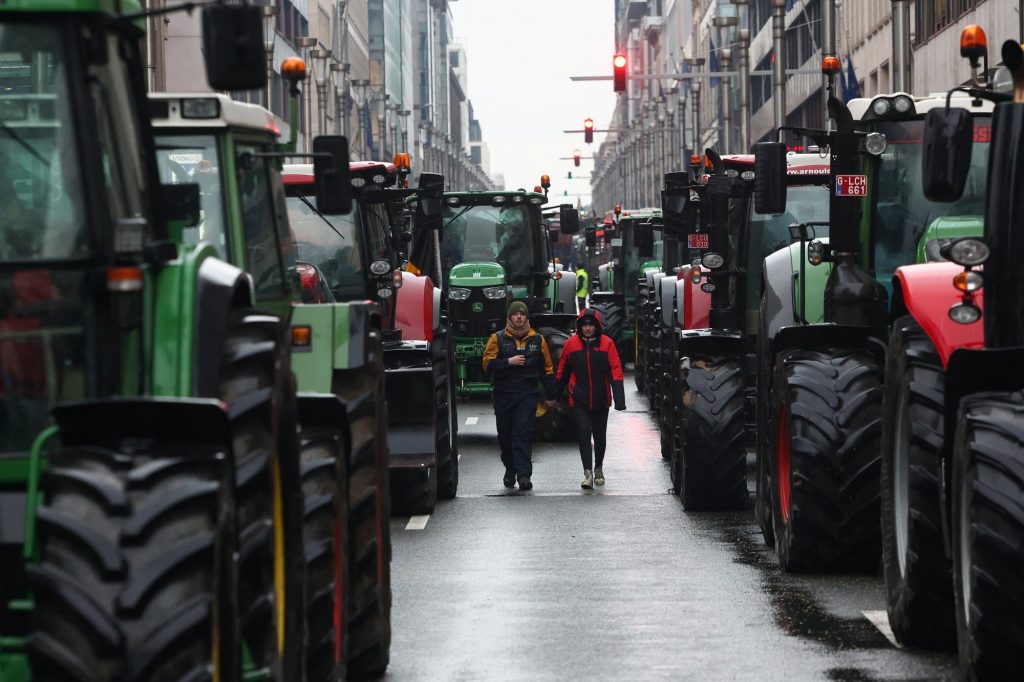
x=698, y=241
x=851, y=185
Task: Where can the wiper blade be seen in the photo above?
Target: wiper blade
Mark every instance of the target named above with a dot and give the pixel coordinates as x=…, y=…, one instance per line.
x=456, y=216
x=20, y=140
x=313, y=208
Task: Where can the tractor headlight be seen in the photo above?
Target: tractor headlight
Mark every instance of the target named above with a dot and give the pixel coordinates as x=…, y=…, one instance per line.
x=380, y=267
x=494, y=293
x=968, y=252
x=875, y=143
x=881, y=106
x=712, y=260
x=965, y=313
x=903, y=104
x=458, y=293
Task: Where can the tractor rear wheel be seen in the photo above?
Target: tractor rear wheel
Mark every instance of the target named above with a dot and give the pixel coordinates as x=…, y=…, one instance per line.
x=257, y=385
x=919, y=586
x=369, y=527
x=988, y=535
x=137, y=567
x=714, y=457
x=555, y=424
x=827, y=409
x=613, y=320
x=447, y=417
x=324, y=460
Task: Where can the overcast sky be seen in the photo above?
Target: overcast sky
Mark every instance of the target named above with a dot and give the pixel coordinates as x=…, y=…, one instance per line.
x=520, y=54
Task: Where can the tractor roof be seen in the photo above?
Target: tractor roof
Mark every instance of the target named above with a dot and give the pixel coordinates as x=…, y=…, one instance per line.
x=209, y=110
x=797, y=165
x=861, y=107
x=367, y=171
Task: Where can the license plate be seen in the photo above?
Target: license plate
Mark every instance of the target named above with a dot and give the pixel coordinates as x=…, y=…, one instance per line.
x=851, y=185
x=616, y=241
x=699, y=240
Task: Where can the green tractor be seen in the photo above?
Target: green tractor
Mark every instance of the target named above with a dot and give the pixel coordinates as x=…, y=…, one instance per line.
x=618, y=279
x=824, y=323
x=150, y=484
x=229, y=151
x=495, y=248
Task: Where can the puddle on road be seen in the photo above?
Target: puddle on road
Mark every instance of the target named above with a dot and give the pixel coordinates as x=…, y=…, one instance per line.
x=795, y=609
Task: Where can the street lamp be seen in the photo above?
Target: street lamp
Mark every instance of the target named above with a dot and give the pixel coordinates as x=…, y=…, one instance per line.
x=320, y=55
x=361, y=84
x=305, y=43
x=269, y=13
x=341, y=98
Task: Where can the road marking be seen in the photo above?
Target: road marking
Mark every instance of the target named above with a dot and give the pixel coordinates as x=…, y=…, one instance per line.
x=417, y=522
x=472, y=420
x=880, y=619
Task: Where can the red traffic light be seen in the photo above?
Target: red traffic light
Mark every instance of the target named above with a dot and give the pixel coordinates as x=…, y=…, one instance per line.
x=619, y=72
x=588, y=130
x=576, y=157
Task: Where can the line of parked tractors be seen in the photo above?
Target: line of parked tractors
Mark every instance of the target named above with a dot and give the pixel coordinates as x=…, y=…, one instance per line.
x=854, y=315
x=223, y=363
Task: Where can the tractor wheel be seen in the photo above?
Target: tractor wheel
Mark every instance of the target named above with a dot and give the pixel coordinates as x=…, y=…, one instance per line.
x=827, y=409
x=555, y=424
x=613, y=319
x=324, y=461
x=259, y=390
x=640, y=334
x=714, y=461
x=447, y=418
x=369, y=528
x=764, y=495
x=137, y=543
x=919, y=585
x=988, y=535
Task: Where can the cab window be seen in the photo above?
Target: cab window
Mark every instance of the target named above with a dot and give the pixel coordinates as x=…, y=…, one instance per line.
x=259, y=217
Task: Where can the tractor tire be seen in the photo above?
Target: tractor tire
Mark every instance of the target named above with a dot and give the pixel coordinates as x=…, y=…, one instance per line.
x=763, y=489
x=447, y=417
x=324, y=461
x=257, y=385
x=369, y=526
x=827, y=409
x=613, y=320
x=919, y=586
x=137, y=543
x=556, y=424
x=642, y=344
x=714, y=457
x=988, y=535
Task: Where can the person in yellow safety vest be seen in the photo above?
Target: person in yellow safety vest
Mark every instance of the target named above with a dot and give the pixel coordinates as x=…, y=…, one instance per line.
x=582, y=287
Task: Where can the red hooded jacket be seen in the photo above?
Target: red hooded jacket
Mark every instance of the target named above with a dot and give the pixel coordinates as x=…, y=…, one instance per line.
x=591, y=369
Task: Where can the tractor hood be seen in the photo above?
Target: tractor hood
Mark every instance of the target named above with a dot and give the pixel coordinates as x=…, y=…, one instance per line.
x=477, y=275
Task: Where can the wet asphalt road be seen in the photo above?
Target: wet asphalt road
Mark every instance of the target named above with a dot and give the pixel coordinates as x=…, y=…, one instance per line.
x=618, y=583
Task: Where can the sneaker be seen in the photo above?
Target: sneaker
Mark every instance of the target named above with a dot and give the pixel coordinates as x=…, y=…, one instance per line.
x=510, y=478
x=588, y=479
x=598, y=476
x=524, y=483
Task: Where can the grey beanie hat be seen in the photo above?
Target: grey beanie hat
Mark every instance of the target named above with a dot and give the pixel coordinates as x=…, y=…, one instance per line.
x=518, y=307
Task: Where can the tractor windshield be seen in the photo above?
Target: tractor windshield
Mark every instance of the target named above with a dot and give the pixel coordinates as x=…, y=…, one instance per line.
x=332, y=243
x=184, y=159
x=900, y=212
x=769, y=233
x=42, y=216
x=503, y=234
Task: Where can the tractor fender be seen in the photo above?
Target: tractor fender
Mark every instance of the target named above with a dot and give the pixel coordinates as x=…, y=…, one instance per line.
x=435, y=310
x=602, y=277
x=649, y=276
x=926, y=293
x=566, y=288
x=667, y=298
x=220, y=287
x=821, y=336
x=414, y=307
x=696, y=303
x=409, y=387
x=90, y=422
x=325, y=410
x=710, y=342
x=777, y=310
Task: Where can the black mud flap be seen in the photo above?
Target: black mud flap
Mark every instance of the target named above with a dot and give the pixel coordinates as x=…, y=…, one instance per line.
x=97, y=421
x=412, y=414
x=324, y=409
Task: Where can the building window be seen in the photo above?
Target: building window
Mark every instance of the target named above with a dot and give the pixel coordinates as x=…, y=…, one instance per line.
x=933, y=16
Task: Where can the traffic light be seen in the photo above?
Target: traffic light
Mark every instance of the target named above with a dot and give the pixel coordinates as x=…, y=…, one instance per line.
x=570, y=175
x=588, y=130
x=576, y=157
x=619, y=71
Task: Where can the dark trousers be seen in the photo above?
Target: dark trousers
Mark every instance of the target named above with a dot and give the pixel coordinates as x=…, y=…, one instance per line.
x=582, y=302
x=591, y=423
x=515, y=416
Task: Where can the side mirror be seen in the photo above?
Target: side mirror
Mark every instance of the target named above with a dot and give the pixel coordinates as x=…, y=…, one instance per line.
x=553, y=235
x=568, y=219
x=590, y=236
x=180, y=203
x=770, y=177
x=331, y=180
x=946, y=158
x=644, y=237
x=429, y=193
x=233, y=46
x=674, y=199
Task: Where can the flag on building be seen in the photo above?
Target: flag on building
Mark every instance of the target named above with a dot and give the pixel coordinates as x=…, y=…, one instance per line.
x=851, y=88
x=715, y=81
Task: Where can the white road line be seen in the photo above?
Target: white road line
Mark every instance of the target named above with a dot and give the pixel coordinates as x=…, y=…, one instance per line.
x=472, y=420
x=880, y=619
x=417, y=522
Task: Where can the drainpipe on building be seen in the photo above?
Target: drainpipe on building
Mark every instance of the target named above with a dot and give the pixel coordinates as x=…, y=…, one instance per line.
x=744, y=68
x=726, y=87
x=901, y=46
x=779, y=65
x=695, y=89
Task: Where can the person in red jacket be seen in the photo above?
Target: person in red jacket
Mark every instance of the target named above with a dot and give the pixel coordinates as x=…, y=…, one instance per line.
x=590, y=369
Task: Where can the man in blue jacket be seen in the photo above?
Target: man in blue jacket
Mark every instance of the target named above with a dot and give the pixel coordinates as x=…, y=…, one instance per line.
x=518, y=359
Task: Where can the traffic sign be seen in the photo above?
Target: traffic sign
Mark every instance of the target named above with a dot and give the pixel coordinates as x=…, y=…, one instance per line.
x=851, y=185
